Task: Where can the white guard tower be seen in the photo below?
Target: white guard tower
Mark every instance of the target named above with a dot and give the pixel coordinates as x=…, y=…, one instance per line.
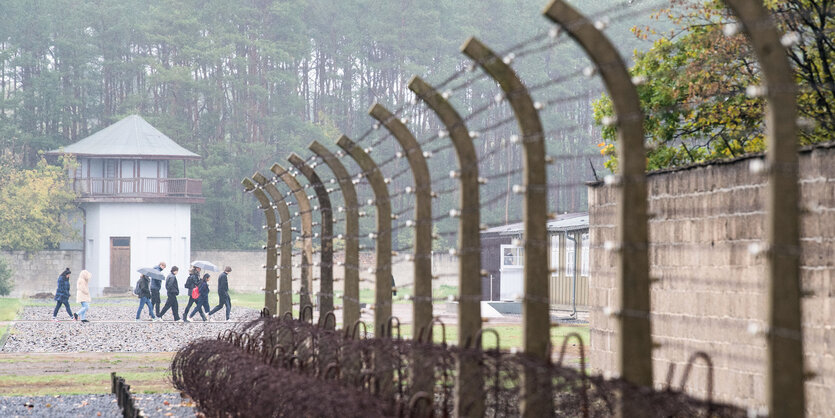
x=135, y=214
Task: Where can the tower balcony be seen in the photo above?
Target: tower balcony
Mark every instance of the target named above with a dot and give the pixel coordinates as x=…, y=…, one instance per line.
x=122, y=190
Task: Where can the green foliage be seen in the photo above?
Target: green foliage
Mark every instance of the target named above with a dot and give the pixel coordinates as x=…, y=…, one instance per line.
x=9, y=308
x=6, y=284
x=245, y=83
x=33, y=204
x=694, y=82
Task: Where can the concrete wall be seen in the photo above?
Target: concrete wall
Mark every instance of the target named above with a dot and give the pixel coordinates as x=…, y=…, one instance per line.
x=248, y=274
x=711, y=288
x=37, y=272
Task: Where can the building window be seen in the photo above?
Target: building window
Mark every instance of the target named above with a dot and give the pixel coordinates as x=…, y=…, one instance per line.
x=584, y=258
x=555, y=254
x=109, y=168
x=569, y=254
x=121, y=241
x=512, y=256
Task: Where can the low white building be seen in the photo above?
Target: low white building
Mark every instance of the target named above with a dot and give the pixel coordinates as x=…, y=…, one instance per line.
x=135, y=213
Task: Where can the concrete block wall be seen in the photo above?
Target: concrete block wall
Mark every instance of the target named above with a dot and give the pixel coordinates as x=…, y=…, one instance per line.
x=37, y=272
x=248, y=273
x=710, y=286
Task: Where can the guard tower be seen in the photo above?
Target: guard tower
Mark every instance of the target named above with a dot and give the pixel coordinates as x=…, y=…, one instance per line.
x=135, y=213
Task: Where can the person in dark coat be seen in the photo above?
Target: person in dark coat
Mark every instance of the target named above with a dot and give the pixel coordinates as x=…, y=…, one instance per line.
x=156, y=285
x=203, y=299
x=192, y=282
x=145, y=297
x=223, y=293
x=62, y=294
x=172, y=288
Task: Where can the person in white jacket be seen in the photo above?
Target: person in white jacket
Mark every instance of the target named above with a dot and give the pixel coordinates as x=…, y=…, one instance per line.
x=82, y=294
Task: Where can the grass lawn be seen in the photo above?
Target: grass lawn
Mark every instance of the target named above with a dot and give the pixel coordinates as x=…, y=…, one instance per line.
x=509, y=335
x=9, y=308
x=32, y=374
x=82, y=384
x=441, y=292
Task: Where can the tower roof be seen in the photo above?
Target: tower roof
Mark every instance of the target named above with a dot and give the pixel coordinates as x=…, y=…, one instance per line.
x=129, y=137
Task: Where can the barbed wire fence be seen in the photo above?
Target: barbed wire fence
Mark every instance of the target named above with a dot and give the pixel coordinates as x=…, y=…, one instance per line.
x=279, y=365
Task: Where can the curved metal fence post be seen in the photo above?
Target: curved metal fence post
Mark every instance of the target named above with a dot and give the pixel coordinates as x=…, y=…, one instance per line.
x=536, y=331
x=269, y=214
x=784, y=342
x=422, y=304
x=285, y=265
x=634, y=359
x=307, y=233
x=326, y=235
x=382, y=285
x=351, y=292
x=422, y=369
x=469, y=238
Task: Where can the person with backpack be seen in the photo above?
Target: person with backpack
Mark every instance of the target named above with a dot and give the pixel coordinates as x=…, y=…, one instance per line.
x=192, y=282
x=223, y=293
x=144, y=293
x=62, y=294
x=82, y=295
x=172, y=288
x=156, y=285
x=202, y=296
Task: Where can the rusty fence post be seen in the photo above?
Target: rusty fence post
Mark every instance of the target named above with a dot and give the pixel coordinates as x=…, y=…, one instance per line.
x=325, y=236
x=422, y=251
x=382, y=272
x=469, y=387
x=422, y=371
x=382, y=361
x=351, y=290
x=285, y=265
x=784, y=340
x=634, y=340
x=305, y=211
x=536, y=331
x=270, y=266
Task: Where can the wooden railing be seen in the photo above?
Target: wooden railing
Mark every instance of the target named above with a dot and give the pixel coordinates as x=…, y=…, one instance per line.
x=138, y=187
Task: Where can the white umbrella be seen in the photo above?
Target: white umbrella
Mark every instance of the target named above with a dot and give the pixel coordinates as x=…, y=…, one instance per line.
x=204, y=265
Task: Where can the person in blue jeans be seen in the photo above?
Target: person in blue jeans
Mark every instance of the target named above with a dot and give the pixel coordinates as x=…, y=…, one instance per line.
x=82, y=295
x=203, y=299
x=62, y=294
x=145, y=297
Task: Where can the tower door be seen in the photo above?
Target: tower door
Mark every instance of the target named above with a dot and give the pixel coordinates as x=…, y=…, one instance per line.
x=120, y=262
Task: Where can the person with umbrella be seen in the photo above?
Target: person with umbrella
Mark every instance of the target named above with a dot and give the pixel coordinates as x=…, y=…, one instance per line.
x=223, y=293
x=62, y=294
x=156, y=285
x=202, y=298
x=144, y=293
x=172, y=288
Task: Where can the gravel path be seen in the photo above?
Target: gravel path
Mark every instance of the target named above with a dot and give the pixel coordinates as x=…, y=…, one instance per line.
x=59, y=406
x=156, y=405
x=112, y=328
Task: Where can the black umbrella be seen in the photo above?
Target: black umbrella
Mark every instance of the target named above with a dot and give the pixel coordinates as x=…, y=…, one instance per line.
x=152, y=273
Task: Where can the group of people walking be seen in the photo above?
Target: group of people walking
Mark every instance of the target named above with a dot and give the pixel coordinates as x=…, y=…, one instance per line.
x=198, y=293
x=148, y=290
